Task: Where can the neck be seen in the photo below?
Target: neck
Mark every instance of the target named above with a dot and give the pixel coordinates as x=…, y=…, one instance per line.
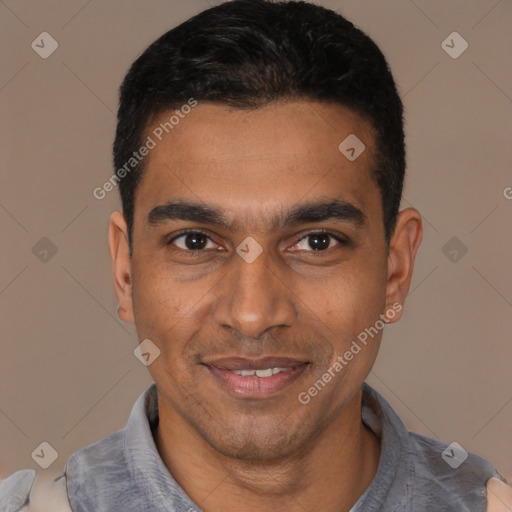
x=329, y=474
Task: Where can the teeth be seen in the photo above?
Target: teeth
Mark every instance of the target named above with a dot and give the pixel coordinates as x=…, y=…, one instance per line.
x=266, y=372
x=279, y=370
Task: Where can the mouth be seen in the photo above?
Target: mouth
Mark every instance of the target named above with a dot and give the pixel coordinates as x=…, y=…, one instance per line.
x=256, y=378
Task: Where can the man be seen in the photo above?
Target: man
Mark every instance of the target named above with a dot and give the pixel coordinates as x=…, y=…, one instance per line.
x=261, y=250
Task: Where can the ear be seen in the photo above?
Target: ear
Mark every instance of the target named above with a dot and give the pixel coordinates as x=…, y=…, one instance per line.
x=120, y=254
x=403, y=247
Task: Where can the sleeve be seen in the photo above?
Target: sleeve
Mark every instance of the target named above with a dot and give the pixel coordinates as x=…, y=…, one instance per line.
x=15, y=490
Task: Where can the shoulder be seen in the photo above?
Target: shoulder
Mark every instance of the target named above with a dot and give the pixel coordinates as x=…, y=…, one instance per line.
x=15, y=490
x=450, y=473
x=29, y=491
x=102, y=456
x=97, y=471
x=450, y=460
x=499, y=496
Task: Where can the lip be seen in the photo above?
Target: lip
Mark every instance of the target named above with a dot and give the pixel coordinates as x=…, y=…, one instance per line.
x=243, y=363
x=254, y=387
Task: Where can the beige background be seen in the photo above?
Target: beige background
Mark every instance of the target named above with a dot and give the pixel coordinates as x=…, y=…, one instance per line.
x=68, y=374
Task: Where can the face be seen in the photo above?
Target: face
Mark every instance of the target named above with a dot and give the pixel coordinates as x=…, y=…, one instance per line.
x=259, y=258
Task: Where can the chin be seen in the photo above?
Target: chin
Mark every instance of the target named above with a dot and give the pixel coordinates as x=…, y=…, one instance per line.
x=258, y=443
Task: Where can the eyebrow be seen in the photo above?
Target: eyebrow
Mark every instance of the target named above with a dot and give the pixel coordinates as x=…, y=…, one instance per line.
x=319, y=211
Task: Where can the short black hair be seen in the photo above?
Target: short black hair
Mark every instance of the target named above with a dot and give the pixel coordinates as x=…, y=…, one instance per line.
x=249, y=53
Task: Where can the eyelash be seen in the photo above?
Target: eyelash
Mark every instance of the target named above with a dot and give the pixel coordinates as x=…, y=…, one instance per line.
x=340, y=240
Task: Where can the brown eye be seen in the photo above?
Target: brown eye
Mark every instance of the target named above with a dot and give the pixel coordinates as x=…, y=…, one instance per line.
x=193, y=241
x=317, y=242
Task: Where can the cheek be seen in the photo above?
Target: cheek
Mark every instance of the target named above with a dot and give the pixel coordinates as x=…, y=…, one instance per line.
x=167, y=311
x=352, y=299
x=158, y=303
x=346, y=315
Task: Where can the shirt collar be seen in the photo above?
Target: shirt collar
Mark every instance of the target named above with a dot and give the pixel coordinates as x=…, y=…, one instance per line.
x=149, y=473
x=144, y=463
x=395, y=466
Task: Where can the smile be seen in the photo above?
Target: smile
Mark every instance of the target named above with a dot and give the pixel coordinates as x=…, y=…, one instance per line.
x=261, y=378
x=262, y=374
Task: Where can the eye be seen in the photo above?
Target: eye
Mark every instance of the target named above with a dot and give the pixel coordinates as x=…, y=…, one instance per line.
x=317, y=242
x=193, y=241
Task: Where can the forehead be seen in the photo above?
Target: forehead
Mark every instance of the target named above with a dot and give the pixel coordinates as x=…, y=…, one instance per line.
x=253, y=162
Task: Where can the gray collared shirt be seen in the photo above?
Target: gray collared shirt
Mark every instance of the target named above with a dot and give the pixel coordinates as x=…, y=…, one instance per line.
x=124, y=471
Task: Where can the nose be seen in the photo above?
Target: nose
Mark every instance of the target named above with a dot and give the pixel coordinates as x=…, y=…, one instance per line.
x=253, y=298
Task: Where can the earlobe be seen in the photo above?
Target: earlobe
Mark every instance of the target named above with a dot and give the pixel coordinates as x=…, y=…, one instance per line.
x=403, y=248
x=121, y=260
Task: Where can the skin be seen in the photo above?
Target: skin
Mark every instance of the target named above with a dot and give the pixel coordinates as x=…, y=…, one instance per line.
x=233, y=453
